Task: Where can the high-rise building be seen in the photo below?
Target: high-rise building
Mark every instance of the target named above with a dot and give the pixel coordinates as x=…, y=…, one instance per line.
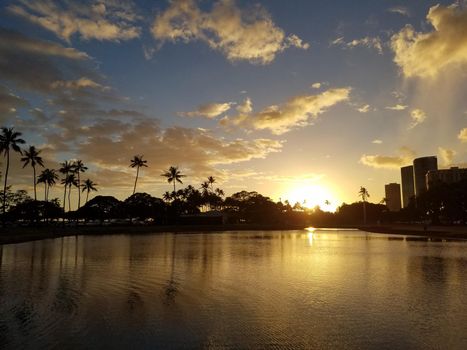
x=448, y=176
x=421, y=166
x=408, y=188
x=393, y=196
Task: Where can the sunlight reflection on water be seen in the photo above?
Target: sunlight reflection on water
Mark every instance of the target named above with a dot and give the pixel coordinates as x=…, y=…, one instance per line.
x=286, y=289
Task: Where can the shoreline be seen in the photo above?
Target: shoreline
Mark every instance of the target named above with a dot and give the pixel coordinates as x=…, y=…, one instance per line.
x=12, y=235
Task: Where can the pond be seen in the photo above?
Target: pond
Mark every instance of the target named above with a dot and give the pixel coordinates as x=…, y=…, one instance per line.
x=322, y=289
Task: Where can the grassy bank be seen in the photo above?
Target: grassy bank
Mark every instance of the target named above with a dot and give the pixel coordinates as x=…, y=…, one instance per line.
x=438, y=232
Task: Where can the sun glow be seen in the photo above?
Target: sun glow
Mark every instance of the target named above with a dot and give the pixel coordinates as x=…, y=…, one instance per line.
x=311, y=196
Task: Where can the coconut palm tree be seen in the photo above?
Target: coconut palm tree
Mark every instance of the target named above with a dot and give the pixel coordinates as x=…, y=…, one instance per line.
x=70, y=180
x=9, y=140
x=167, y=196
x=211, y=181
x=79, y=167
x=173, y=175
x=363, y=193
x=88, y=186
x=31, y=156
x=65, y=168
x=137, y=162
x=48, y=177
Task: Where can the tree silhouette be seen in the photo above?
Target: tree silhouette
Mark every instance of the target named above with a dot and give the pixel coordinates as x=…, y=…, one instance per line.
x=9, y=140
x=65, y=168
x=363, y=193
x=79, y=168
x=173, y=175
x=211, y=181
x=31, y=156
x=70, y=180
x=48, y=177
x=137, y=162
x=88, y=186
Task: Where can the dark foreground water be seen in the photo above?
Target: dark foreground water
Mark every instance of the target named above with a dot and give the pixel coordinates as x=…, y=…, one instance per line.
x=322, y=290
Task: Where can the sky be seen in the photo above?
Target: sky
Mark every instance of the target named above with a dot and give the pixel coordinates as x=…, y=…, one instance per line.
x=298, y=100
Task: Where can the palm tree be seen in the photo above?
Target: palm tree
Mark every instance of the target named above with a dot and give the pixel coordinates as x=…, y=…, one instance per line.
x=79, y=168
x=211, y=181
x=167, y=196
x=70, y=180
x=66, y=168
x=173, y=175
x=9, y=139
x=88, y=186
x=365, y=195
x=31, y=156
x=137, y=162
x=48, y=177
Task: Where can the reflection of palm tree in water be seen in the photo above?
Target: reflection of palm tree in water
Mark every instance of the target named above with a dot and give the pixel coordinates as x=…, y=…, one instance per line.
x=171, y=288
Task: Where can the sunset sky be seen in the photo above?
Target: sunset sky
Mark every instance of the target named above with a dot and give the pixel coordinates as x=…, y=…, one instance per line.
x=299, y=100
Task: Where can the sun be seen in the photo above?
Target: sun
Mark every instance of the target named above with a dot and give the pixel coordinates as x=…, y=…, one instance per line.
x=311, y=196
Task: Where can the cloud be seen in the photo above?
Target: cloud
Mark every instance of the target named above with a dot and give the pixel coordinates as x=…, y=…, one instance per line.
x=364, y=109
x=401, y=10
x=426, y=54
x=295, y=112
x=418, y=116
x=245, y=107
x=37, y=64
x=389, y=162
x=109, y=20
x=462, y=135
x=9, y=102
x=240, y=34
x=397, y=107
x=316, y=85
x=446, y=155
x=209, y=110
x=377, y=142
x=80, y=83
x=368, y=42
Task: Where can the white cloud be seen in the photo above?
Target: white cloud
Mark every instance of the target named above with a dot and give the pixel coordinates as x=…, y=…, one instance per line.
x=377, y=142
x=418, y=116
x=112, y=20
x=245, y=107
x=239, y=34
x=368, y=42
x=426, y=54
x=462, y=135
x=316, y=85
x=405, y=157
x=446, y=155
x=80, y=83
x=401, y=10
x=294, y=113
x=208, y=110
x=364, y=109
x=397, y=107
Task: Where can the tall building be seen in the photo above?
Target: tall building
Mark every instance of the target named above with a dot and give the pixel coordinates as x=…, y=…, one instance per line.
x=393, y=196
x=408, y=188
x=448, y=176
x=421, y=166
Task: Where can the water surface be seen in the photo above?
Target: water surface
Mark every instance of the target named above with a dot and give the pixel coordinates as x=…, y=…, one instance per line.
x=290, y=289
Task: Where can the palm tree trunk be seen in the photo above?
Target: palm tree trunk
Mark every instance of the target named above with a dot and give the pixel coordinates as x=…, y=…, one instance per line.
x=136, y=180
x=79, y=192
x=174, y=186
x=69, y=198
x=45, y=191
x=4, y=185
x=64, y=199
x=87, y=196
x=34, y=179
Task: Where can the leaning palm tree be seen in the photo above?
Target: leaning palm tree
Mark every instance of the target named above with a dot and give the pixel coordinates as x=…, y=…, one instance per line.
x=137, y=162
x=31, y=156
x=9, y=140
x=363, y=193
x=88, y=186
x=66, y=168
x=173, y=175
x=79, y=168
x=48, y=177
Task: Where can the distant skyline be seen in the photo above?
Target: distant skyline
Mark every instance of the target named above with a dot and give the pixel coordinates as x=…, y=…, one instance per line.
x=296, y=100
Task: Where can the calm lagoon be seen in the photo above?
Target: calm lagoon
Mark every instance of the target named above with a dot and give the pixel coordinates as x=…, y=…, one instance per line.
x=258, y=289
